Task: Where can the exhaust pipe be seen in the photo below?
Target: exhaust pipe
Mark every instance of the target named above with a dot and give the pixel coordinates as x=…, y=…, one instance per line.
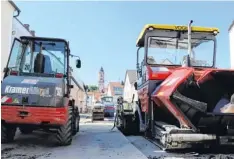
x=189, y=38
x=186, y=59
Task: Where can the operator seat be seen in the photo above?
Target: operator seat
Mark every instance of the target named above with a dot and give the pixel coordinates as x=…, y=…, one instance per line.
x=39, y=63
x=47, y=66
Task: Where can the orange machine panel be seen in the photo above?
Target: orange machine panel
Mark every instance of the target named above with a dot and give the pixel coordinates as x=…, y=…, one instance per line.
x=34, y=115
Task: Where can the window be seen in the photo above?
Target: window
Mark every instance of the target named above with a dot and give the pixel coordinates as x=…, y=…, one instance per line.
x=118, y=91
x=107, y=99
x=15, y=56
x=53, y=52
x=169, y=49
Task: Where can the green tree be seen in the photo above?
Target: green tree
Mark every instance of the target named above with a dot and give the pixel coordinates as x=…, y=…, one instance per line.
x=92, y=88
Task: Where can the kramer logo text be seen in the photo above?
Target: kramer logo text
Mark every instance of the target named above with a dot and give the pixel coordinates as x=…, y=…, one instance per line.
x=31, y=90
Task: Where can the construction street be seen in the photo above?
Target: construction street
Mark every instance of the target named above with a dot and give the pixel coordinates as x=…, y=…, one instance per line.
x=84, y=80
x=95, y=140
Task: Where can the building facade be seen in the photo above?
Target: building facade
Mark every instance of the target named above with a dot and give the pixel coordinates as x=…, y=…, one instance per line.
x=20, y=29
x=9, y=10
x=129, y=89
x=231, y=39
x=92, y=98
x=115, y=89
x=79, y=94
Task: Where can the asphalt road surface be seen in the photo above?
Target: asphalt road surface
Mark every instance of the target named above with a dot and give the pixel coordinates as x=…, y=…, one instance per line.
x=94, y=141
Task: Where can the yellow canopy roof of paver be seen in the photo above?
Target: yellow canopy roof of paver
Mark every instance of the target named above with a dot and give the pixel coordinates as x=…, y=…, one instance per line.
x=140, y=40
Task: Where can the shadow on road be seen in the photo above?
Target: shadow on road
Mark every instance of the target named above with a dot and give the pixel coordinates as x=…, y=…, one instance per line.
x=37, y=138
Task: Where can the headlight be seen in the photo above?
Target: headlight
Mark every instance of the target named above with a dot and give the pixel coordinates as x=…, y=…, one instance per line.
x=151, y=28
x=215, y=32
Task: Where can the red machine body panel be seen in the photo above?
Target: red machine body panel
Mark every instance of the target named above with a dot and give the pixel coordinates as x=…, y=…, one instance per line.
x=166, y=89
x=171, y=83
x=34, y=115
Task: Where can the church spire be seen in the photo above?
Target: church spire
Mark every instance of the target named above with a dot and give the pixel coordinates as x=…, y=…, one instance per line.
x=101, y=81
x=101, y=70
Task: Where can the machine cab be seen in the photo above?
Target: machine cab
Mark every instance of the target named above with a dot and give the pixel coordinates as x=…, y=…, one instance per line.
x=163, y=48
x=31, y=56
x=38, y=68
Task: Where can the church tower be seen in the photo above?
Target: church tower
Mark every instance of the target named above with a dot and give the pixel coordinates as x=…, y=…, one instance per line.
x=101, y=81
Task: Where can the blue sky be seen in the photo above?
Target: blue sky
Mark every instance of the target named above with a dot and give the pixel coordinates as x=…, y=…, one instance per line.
x=105, y=33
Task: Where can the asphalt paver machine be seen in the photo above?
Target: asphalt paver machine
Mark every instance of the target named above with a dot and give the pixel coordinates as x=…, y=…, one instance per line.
x=184, y=100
